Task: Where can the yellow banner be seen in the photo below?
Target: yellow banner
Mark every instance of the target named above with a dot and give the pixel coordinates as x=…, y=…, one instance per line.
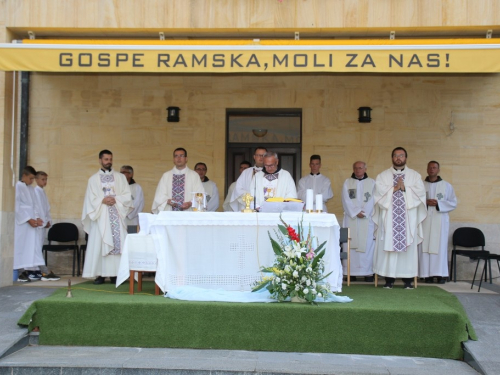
x=253, y=58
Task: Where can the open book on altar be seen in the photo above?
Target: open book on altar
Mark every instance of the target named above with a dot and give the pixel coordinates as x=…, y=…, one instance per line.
x=282, y=205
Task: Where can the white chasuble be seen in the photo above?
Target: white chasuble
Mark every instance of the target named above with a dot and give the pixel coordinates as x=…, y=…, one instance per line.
x=138, y=202
x=174, y=184
x=319, y=184
x=27, y=246
x=433, y=253
x=105, y=224
x=388, y=260
x=226, y=206
x=243, y=186
x=282, y=186
x=212, y=195
x=357, y=196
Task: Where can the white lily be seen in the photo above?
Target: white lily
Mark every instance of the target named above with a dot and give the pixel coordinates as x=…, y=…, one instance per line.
x=289, y=252
x=297, y=250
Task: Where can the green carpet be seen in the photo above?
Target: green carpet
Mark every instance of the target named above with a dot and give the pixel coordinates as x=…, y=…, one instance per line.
x=425, y=322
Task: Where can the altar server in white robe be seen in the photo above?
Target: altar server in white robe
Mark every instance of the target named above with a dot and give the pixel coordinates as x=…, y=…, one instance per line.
x=272, y=182
x=319, y=183
x=226, y=206
x=176, y=187
x=245, y=180
x=399, y=210
x=137, y=195
x=28, y=222
x=43, y=202
x=433, y=253
x=107, y=203
x=211, y=191
x=357, y=200
x=41, y=179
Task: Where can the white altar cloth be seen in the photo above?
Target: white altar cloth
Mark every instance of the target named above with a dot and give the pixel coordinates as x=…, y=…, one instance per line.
x=220, y=250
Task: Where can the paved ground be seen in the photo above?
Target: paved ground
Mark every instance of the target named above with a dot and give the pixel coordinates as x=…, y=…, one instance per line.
x=482, y=308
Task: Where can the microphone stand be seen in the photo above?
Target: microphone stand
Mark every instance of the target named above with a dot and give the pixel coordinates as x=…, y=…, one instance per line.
x=255, y=190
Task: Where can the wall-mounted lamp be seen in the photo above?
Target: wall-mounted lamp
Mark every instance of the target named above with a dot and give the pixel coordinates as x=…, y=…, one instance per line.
x=364, y=114
x=173, y=114
x=259, y=132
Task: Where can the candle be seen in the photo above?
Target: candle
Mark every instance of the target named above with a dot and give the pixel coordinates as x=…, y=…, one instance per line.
x=319, y=202
x=309, y=200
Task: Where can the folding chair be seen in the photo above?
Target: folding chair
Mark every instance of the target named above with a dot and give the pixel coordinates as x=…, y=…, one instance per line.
x=469, y=238
x=63, y=232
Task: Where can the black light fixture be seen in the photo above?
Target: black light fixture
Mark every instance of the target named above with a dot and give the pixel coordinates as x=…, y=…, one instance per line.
x=364, y=114
x=173, y=114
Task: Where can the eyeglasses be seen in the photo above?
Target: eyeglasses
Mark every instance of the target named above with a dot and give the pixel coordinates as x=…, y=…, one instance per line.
x=259, y=155
x=399, y=156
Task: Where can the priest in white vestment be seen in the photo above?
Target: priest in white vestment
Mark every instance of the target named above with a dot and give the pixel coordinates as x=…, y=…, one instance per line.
x=211, y=191
x=137, y=196
x=27, y=226
x=272, y=182
x=319, y=183
x=399, y=210
x=177, y=186
x=226, y=206
x=357, y=200
x=433, y=252
x=107, y=203
x=245, y=180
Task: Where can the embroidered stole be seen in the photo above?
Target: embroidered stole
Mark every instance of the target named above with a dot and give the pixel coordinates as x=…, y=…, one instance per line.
x=398, y=217
x=108, y=187
x=178, y=188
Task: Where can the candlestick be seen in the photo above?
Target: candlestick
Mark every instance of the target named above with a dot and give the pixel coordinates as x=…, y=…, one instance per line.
x=319, y=202
x=309, y=200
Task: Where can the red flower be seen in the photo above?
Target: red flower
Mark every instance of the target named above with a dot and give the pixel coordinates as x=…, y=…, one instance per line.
x=292, y=234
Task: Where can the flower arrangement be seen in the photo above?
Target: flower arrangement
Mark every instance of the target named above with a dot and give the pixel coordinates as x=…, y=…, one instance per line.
x=297, y=272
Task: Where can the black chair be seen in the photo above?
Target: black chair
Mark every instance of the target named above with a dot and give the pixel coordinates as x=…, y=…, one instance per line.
x=470, y=238
x=489, y=258
x=63, y=232
x=345, y=237
x=497, y=258
x=81, y=254
x=486, y=257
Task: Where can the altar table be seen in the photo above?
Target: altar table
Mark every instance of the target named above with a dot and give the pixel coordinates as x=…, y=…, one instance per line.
x=219, y=250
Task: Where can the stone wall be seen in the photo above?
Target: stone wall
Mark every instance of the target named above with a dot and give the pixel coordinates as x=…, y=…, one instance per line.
x=73, y=117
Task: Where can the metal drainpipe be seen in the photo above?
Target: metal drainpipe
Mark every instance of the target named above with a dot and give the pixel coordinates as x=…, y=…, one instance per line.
x=25, y=103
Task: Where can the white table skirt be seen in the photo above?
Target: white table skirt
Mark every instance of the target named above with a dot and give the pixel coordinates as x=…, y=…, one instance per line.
x=220, y=250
